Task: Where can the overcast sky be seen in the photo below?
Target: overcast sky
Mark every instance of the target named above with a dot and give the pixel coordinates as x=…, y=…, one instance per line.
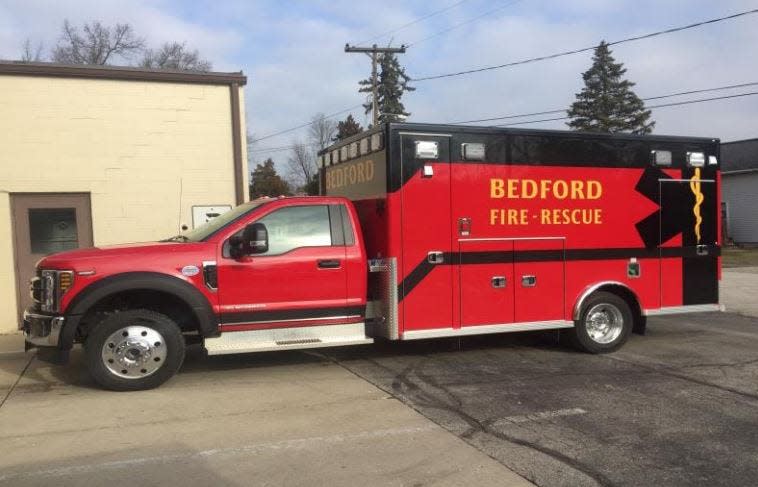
x=292, y=53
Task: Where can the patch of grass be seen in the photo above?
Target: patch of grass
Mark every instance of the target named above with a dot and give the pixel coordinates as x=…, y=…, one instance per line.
x=739, y=257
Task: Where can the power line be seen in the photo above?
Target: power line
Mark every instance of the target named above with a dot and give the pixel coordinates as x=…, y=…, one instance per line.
x=560, y=110
x=461, y=24
x=413, y=22
x=585, y=49
x=651, y=107
x=282, y=148
x=292, y=129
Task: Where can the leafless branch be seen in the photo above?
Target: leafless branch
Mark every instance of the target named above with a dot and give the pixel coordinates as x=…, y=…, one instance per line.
x=96, y=44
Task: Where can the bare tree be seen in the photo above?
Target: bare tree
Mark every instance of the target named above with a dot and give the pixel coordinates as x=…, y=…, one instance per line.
x=321, y=131
x=96, y=43
x=301, y=164
x=174, y=55
x=29, y=53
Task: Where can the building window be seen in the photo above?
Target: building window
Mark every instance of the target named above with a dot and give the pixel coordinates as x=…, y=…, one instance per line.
x=52, y=230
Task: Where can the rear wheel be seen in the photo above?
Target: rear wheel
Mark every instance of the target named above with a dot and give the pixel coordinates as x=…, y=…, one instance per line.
x=134, y=349
x=604, y=324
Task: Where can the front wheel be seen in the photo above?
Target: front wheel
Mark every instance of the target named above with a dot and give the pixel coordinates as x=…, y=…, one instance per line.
x=604, y=325
x=134, y=349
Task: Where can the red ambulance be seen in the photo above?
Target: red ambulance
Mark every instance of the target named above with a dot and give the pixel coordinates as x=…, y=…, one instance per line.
x=422, y=231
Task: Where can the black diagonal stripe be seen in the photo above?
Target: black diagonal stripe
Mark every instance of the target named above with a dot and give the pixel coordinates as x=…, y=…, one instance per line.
x=423, y=269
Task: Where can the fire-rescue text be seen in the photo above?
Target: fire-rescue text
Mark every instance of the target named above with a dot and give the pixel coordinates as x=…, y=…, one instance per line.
x=545, y=189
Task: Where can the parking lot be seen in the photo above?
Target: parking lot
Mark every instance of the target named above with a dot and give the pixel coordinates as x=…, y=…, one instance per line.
x=674, y=407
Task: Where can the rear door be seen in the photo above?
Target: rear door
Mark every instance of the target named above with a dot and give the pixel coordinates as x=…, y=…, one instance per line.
x=689, y=228
x=427, y=274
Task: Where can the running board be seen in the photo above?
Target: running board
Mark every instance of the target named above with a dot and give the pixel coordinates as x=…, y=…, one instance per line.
x=288, y=339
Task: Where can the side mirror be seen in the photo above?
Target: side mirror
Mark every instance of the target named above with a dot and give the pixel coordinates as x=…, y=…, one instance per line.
x=255, y=238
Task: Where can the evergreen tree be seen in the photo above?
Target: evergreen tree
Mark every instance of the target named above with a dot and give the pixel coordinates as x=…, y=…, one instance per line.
x=393, y=83
x=607, y=102
x=347, y=128
x=264, y=181
x=311, y=188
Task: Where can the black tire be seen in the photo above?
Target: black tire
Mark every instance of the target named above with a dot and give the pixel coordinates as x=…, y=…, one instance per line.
x=587, y=338
x=134, y=350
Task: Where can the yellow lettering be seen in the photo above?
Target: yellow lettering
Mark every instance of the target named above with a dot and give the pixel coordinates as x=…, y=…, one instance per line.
x=594, y=190
x=512, y=189
x=493, y=215
x=577, y=190
x=544, y=188
x=560, y=189
x=528, y=188
x=497, y=188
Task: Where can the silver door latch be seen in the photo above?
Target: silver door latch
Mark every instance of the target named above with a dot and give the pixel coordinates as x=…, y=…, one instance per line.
x=435, y=257
x=498, y=281
x=528, y=281
x=701, y=250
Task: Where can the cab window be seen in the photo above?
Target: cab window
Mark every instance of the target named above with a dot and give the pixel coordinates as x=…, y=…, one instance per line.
x=297, y=226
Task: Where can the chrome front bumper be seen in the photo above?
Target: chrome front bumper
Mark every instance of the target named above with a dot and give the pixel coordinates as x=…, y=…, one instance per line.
x=42, y=330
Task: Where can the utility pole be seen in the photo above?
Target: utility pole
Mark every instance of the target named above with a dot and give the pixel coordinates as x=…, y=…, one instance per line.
x=372, y=53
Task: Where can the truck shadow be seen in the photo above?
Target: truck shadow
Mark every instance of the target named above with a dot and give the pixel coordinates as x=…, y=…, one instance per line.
x=46, y=377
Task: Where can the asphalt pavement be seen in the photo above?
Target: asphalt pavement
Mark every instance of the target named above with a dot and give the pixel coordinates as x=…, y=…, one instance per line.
x=678, y=406
x=288, y=418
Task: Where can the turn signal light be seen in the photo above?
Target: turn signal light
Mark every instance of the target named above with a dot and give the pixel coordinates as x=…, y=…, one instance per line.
x=65, y=281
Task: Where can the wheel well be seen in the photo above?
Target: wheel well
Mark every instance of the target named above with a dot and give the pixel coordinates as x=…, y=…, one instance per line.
x=627, y=295
x=162, y=302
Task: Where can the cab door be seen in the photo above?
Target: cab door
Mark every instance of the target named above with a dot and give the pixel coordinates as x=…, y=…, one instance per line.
x=300, y=280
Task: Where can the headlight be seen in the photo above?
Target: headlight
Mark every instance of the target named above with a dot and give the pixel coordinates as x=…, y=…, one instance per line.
x=54, y=285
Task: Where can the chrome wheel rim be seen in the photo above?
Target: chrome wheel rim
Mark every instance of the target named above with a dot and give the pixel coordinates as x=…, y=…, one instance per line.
x=134, y=352
x=604, y=323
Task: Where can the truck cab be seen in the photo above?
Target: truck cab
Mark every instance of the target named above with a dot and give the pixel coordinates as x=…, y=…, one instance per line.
x=274, y=273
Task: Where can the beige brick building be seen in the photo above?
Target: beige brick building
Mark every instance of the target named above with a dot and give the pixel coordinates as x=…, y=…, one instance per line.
x=104, y=155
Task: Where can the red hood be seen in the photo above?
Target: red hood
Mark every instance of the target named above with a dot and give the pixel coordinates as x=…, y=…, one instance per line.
x=129, y=254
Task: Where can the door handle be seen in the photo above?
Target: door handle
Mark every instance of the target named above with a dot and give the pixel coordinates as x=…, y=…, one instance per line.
x=328, y=264
x=528, y=281
x=435, y=257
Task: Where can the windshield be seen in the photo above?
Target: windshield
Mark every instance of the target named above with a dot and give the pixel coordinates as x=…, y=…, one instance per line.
x=207, y=229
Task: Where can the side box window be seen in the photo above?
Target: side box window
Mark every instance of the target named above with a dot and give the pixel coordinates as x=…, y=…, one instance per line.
x=297, y=226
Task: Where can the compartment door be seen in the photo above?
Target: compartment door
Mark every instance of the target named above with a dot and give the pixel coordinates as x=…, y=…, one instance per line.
x=539, y=282
x=486, y=282
x=426, y=289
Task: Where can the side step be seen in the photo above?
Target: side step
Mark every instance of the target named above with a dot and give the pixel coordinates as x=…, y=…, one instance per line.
x=288, y=339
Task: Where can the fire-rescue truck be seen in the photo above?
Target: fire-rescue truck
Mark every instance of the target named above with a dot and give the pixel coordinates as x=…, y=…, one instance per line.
x=421, y=231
